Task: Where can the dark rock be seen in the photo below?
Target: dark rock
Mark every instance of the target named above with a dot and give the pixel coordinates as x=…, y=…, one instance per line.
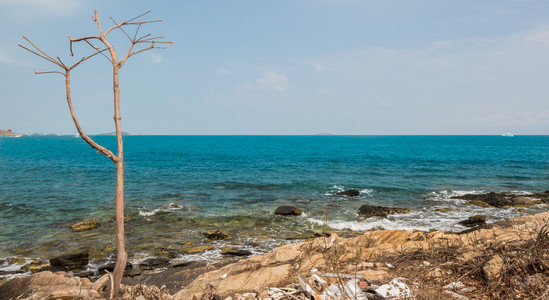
x=478, y=227
x=215, y=234
x=368, y=211
x=474, y=221
x=288, y=210
x=503, y=199
x=165, y=252
x=235, y=251
x=154, y=263
x=174, y=279
x=70, y=262
x=309, y=236
x=110, y=267
x=522, y=201
x=349, y=193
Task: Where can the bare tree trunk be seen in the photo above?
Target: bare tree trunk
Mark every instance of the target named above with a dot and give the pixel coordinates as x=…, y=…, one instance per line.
x=121, y=256
x=134, y=48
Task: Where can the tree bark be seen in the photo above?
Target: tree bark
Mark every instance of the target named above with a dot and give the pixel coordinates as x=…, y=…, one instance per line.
x=121, y=256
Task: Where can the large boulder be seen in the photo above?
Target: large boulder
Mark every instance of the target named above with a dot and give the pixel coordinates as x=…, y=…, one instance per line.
x=349, y=193
x=48, y=285
x=70, y=262
x=288, y=210
x=368, y=211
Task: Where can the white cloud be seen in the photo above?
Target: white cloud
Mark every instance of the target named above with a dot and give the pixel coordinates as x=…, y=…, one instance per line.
x=539, y=36
x=319, y=67
x=223, y=72
x=155, y=58
x=273, y=81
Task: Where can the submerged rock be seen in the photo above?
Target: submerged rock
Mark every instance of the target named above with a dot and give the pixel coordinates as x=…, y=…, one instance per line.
x=197, y=249
x=474, y=221
x=368, y=211
x=85, y=225
x=70, y=262
x=234, y=251
x=288, y=210
x=153, y=263
x=215, y=234
x=500, y=200
x=349, y=193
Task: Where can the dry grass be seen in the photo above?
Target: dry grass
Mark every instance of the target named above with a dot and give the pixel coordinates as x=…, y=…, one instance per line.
x=524, y=273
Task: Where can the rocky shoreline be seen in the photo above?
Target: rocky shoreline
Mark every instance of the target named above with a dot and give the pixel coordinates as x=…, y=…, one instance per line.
x=373, y=259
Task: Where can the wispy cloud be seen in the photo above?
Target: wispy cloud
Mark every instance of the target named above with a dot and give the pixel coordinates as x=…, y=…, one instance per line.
x=156, y=58
x=223, y=72
x=269, y=82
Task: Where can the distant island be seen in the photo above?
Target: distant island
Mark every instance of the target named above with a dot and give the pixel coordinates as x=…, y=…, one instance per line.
x=113, y=133
x=9, y=133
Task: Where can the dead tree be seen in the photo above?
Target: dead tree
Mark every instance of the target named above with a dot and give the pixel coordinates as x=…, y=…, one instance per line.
x=100, y=45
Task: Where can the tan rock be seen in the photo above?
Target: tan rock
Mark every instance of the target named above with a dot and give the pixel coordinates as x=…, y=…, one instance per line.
x=47, y=285
x=493, y=268
x=245, y=281
x=85, y=225
x=198, y=249
x=379, y=275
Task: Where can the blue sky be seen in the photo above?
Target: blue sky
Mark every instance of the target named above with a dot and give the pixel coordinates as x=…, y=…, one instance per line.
x=288, y=67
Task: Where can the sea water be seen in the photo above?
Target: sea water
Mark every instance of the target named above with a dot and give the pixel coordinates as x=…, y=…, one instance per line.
x=234, y=183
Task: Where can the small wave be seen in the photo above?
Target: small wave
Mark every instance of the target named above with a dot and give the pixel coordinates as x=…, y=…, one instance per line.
x=339, y=188
x=12, y=267
x=448, y=195
x=163, y=209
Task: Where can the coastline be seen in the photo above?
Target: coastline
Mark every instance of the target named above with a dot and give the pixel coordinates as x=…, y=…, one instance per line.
x=368, y=255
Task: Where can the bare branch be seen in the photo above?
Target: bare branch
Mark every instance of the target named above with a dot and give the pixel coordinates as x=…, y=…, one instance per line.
x=97, y=49
x=85, y=38
x=39, y=55
x=98, y=23
x=44, y=53
x=59, y=59
x=139, y=51
x=136, y=31
x=141, y=38
x=49, y=72
x=139, y=16
x=143, y=22
x=120, y=27
x=86, y=58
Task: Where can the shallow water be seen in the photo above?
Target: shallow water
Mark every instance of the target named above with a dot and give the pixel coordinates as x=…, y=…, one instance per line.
x=236, y=182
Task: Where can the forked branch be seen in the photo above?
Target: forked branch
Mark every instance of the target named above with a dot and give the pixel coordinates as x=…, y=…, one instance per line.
x=133, y=41
x=66, y=73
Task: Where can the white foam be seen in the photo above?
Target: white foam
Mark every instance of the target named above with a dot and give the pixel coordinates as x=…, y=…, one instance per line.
x=339, y=188
x=164, y=208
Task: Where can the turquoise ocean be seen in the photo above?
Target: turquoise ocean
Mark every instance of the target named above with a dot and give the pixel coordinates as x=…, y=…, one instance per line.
x=179, y=186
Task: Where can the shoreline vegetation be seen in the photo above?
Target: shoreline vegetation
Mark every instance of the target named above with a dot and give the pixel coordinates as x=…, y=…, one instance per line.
x=489, y=261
